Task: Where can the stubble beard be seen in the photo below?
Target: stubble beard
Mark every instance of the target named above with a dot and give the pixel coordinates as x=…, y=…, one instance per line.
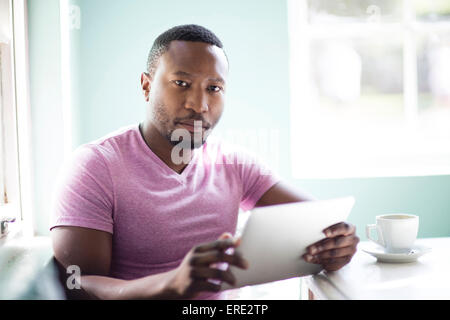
x=167, y=128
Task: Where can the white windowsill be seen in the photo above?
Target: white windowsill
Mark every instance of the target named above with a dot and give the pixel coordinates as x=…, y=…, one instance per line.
x=17, y=229
x=15, y=232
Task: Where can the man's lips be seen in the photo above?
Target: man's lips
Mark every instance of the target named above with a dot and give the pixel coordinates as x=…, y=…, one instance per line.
x=191, y=126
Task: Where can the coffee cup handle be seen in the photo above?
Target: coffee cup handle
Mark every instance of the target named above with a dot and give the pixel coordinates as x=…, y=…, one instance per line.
x=380, y=239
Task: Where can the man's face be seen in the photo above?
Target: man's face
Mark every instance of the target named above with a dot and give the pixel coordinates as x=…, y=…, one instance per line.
x=188, y=85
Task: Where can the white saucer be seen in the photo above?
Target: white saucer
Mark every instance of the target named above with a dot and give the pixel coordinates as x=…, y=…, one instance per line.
x=382, y=256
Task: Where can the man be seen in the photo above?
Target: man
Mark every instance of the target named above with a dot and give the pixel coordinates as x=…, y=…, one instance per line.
x=140, y=223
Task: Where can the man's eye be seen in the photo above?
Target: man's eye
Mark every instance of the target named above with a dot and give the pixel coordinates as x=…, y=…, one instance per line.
x=214, y=88
x=180, y=83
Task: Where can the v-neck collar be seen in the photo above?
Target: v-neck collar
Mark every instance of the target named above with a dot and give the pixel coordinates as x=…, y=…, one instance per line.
x=149, y=152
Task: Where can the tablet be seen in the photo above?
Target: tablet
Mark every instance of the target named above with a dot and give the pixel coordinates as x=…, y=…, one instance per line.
x=275, y=238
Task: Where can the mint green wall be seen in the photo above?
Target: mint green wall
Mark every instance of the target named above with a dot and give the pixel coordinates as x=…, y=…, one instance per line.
x=427, y=197
x=45, y=94
x=111, y=50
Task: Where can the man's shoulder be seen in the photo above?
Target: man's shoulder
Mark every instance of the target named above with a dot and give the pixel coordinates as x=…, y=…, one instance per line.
x=103, y=148
x=115, y=137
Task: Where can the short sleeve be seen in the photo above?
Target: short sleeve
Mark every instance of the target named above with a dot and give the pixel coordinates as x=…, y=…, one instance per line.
x=256, y=179
x=83, y=195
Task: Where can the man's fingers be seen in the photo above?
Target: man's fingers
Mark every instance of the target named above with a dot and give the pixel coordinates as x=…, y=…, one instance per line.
x=213, y=273
x=329, y=264
x=205, y=285
x=334, y=264
x=332, y=243
x=336, y=250
x=207, y=258
x=221, y=244
x=337, y=253
x=341, y=228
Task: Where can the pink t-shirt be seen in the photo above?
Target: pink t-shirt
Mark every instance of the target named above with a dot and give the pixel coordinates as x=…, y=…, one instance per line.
x=155, y=215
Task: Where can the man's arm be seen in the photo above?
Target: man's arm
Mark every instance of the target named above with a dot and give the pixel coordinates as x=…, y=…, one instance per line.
x=282, y=193
x=91, y=251
x=339, y=244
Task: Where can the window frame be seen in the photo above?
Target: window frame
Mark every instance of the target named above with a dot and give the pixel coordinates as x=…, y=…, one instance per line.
x=301, y=32
x=16, y=114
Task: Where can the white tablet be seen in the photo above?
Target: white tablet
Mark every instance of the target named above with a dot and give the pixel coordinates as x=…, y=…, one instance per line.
x=275, y=238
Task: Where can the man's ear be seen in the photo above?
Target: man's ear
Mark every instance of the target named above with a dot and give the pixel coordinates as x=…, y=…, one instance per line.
x=146, y=82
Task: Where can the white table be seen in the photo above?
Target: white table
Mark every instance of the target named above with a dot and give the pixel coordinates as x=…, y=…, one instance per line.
x=365, y=278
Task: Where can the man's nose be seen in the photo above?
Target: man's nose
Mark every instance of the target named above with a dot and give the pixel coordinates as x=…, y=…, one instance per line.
x=197, y=101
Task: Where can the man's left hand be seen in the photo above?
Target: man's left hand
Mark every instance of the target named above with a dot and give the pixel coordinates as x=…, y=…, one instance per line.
x=336, y=250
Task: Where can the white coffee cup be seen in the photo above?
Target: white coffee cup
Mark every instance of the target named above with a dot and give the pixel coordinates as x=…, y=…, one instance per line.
x=396, y=232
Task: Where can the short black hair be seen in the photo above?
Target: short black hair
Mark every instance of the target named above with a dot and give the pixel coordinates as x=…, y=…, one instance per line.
x=186, y=32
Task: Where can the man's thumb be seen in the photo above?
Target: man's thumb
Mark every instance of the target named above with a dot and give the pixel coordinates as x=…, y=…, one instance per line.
x=225, y=235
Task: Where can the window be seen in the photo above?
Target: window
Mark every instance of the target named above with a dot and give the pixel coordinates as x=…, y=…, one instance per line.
x=3, y=195
x=3, y=198
x=15, y=175
x=370, y=93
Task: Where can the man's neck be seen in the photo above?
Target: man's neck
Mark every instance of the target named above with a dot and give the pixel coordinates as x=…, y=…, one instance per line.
x=159, y=145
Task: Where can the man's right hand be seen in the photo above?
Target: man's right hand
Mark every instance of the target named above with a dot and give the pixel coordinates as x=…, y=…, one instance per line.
x=196, y=270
